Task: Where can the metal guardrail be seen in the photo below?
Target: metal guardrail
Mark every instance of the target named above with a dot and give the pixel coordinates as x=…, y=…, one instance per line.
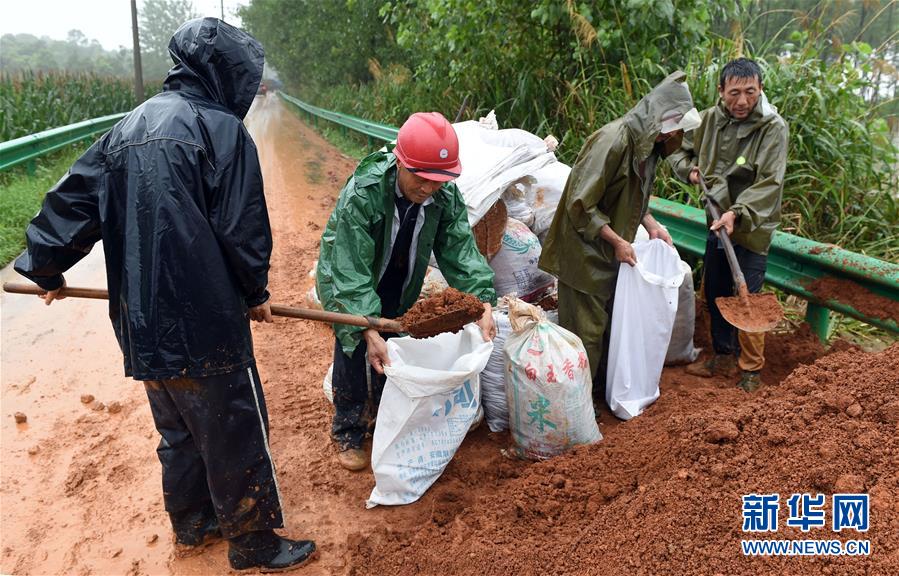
x=373, y=130
x=793, y=262
x=26, y=148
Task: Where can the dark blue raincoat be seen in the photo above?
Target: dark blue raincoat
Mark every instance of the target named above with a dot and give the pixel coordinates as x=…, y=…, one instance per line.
x=175, y=193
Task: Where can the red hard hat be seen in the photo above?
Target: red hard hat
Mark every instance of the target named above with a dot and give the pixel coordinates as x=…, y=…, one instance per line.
x=427, y=145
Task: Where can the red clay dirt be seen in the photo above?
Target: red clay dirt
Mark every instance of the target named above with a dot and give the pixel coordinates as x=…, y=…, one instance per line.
x=857, y=296
x=81, y=490
x=759, y=313
x=662, y=494
x=446, y=311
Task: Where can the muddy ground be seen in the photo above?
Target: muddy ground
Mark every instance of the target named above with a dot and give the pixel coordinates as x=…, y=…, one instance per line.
x=80, y=488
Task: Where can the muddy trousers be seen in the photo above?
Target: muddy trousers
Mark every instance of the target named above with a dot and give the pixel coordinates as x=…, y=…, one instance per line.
x=214, y=450
x=717, y=281
x=357, y=392
x=589, y=317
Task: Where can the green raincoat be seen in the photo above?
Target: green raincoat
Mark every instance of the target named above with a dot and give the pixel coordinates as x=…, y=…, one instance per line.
x=357, y=238
x=744, y=164
x=610, y=183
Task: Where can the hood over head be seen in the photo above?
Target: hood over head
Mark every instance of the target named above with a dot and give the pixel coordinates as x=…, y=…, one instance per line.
x=224, y=61
x=671, y=97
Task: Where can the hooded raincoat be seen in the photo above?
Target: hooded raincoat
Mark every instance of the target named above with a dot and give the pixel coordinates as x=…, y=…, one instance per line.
x=357, y=240
x=174, y=190
x=610, y=184
x=743, y=162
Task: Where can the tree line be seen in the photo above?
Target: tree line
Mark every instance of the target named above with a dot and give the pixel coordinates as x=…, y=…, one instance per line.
x=158, y=19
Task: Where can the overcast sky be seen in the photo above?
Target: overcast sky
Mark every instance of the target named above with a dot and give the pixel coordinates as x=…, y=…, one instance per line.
x=107, y=21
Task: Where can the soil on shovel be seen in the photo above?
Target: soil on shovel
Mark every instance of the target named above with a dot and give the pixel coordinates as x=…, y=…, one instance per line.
x=446, y=311
x=762, y=313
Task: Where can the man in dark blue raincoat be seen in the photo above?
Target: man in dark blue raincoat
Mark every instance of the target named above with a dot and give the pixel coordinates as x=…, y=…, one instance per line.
x=175, y=193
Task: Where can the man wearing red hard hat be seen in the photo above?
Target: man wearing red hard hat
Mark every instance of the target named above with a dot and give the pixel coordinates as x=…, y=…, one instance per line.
x=399, y=205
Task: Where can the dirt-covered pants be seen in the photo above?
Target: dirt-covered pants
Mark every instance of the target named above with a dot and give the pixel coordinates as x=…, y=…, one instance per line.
x=718, y=281
x=214, y=449
x=357, y=393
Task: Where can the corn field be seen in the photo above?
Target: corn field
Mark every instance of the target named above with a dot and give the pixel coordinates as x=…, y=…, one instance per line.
x=31, y=102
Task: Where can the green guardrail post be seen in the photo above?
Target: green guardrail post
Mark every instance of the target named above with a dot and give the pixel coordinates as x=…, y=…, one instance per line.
x=818, y=317
x=31, y=167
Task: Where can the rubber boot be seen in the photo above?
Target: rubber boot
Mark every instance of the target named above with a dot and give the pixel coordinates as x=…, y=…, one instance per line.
x=750, y=380
x=354, y=459
x=266, y=552
x=194, y=530
x=718, y=365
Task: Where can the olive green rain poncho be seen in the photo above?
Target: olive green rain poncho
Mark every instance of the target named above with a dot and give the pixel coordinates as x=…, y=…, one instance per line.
x=610, y=183
x=744, y=164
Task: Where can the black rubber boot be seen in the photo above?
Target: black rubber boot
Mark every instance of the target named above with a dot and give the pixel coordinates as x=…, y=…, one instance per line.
x=267, y=552
x=194, y=530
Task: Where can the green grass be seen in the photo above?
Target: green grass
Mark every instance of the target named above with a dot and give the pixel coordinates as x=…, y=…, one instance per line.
x=21, y=195
x=351, y=143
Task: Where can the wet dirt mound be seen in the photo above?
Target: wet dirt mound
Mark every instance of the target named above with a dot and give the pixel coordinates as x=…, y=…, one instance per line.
x=662, y=494
x=857, y=296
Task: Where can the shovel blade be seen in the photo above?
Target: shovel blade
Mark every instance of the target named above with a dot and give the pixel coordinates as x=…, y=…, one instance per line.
x=762, y=313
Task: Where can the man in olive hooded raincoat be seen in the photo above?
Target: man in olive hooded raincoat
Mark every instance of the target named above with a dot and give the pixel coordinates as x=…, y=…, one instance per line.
x=397, y=207
x=741, y=150
x=605, y=199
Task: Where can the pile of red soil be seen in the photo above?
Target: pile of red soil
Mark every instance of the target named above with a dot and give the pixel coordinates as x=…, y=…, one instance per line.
x=446, y=311
x=857, y=296
x=662, y=493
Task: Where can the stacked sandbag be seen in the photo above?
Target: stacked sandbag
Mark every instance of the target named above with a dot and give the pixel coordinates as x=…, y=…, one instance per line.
x=430, y=401
x=549, y=388
x=546, y=191
x=434, y=283
x=515, y=265
x=494, y=159
x=493, y=378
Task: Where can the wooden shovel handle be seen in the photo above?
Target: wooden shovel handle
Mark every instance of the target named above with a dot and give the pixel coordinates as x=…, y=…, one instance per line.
x=379, y=324
x=736, y=271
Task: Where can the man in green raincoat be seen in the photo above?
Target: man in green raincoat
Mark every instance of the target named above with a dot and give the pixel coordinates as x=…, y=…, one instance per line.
x=741, y=150
x=396, y=208
x=605, y=199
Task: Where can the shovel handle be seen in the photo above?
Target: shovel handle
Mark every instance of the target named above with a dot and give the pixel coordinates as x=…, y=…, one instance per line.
x=379, y=324
x=715, y=213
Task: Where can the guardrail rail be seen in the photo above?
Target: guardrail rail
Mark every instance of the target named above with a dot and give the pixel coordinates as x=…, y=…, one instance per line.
x=27, y=148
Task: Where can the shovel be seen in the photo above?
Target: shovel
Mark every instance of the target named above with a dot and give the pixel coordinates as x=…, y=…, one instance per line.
x=745, y=311
x=449, y=321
